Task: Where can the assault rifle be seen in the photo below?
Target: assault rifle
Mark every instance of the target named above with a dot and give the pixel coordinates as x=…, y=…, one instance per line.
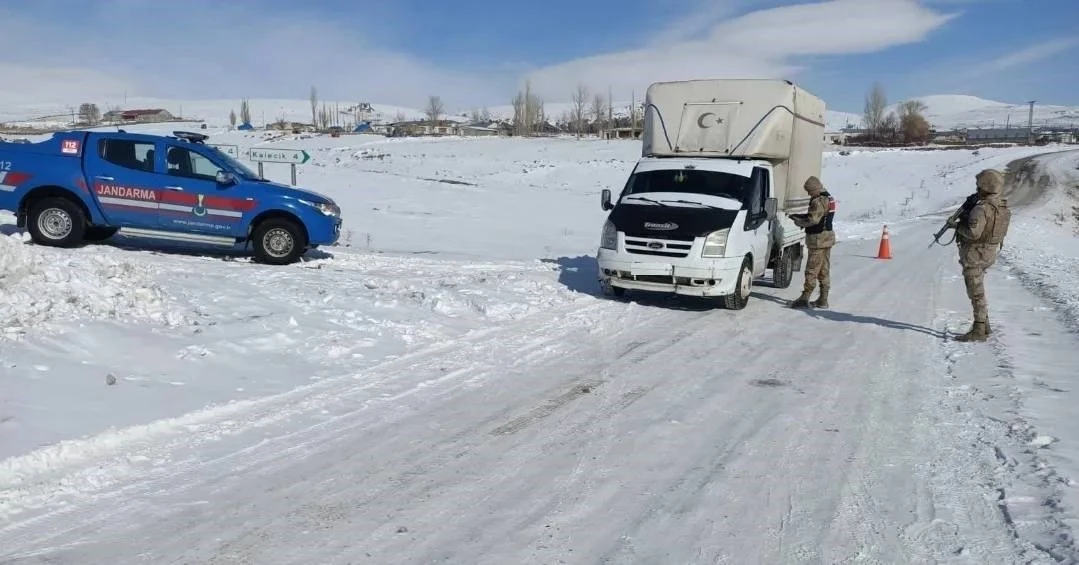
x=954, y=220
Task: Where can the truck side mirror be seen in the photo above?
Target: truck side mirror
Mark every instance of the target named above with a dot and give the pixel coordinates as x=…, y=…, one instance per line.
x=225, y=178
x=605, y=199
x=771, y=206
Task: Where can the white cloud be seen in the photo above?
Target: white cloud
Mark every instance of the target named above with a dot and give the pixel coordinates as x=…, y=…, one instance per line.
x=213, y=49
x=1025, y=56
x=765, y=43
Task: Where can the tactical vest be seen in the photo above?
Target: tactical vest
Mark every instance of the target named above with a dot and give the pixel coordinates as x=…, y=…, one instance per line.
x=825, y=223
x=997, y=226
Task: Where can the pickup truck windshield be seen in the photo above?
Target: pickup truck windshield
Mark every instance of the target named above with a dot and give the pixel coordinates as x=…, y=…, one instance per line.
x=235, y=165
x=692, y=181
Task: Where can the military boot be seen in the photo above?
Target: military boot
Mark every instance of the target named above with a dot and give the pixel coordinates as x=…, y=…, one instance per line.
x=802, y=301
x=977, y=333
x=822, y=300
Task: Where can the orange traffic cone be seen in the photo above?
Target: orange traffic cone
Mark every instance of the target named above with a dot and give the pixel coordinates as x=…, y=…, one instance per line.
x=885, y=251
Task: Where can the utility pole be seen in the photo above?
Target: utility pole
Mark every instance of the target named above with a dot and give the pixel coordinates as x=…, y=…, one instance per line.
x=610, y=112
x=1030, y=123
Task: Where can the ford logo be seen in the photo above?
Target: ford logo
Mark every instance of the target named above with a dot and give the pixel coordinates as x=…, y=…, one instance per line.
x=666, y=226
x=655, y=245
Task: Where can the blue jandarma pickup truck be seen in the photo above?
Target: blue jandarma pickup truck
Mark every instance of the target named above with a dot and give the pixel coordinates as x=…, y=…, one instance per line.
x=86, y=186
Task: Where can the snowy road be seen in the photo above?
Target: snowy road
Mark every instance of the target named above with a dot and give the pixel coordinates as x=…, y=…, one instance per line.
x=521, y=422
x=604, y=433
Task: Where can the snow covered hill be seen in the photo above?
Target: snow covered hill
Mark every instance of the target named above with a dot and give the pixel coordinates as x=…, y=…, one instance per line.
x=959, y=111
x=448, y=384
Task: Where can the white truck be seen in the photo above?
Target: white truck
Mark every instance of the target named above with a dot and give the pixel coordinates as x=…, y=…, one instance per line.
x=704, y=211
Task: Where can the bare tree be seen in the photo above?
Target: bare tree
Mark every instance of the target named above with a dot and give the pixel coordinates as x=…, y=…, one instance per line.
x=324, y=117
x=434, y=109
x=485, y=115
x=89, y=113
x=888, y=129
x=912, y=123
x=528, y=111
x=245, y=111
x=314, y=107
x=400, y=117
x=875, y=102
x=599, y=108
x=579, y=109
x=232, y=118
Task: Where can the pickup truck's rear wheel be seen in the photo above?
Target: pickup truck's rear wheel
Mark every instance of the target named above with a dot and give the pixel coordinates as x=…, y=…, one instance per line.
x=783, y=273
x=56, y=222
x=278, y=241
x=742, y=288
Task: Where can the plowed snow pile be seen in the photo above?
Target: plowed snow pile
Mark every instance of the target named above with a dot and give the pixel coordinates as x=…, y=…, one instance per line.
x=41, y=287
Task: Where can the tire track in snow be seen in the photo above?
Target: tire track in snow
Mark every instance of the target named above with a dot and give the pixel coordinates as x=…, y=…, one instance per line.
x=686, y=451
x=146, y=453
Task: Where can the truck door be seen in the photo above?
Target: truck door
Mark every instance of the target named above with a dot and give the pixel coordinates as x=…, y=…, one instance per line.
x=193, y=201
x=121, y=174
x=757, y=227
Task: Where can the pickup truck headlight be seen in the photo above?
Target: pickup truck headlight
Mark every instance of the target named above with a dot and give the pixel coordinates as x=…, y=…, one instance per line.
x=609, y=240
x=325, y=207
x=715, y=245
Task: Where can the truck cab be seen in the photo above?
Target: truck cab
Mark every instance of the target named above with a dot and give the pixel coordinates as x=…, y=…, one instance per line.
x=86, y=186
x=695, y=227
x=705, y=211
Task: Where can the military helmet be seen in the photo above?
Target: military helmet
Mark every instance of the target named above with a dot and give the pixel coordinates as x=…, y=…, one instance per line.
x=990, y=181
x=813, y=184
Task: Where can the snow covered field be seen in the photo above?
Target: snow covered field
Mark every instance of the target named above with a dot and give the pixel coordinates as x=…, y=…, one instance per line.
x=447, y=385
x=944, y=111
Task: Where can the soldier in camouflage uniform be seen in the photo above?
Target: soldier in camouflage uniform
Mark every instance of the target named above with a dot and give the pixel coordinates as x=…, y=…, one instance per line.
x=980, y=236
x=819, y=241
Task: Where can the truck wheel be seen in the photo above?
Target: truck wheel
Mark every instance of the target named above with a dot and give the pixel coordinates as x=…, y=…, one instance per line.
x=278, y=241
x=783, y=273
x=740, y=297
x=99, y=233
x=56, y=222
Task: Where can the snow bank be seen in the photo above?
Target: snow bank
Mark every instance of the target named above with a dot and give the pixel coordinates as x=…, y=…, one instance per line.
x=46, y=286
x=894, y=187
x=1043, y=243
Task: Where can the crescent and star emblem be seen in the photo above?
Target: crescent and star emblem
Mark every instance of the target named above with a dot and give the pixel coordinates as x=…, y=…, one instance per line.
x=702, y=125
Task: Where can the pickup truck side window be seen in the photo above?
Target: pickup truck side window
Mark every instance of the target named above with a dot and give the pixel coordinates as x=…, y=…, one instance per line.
x=127, y=154
x=183, y=162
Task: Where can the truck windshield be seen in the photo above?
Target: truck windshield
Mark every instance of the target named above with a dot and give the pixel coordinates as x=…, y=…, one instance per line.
x=694, y=181
x=235, y=165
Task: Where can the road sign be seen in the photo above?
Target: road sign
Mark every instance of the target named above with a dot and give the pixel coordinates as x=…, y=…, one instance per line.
x=230, y=150
x=274, y=155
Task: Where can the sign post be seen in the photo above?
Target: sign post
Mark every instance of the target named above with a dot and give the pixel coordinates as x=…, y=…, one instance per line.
x=277, y=155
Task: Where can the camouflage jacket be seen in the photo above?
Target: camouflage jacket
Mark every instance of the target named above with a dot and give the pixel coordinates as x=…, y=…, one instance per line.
x=820, y=207
x=981, y=235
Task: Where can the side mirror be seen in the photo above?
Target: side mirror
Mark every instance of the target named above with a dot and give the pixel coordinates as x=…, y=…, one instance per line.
x=225, y=178
x=605, y=199
x=771, y=206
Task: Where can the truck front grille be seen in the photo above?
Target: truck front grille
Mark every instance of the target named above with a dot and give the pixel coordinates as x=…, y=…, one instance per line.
x=657, y=247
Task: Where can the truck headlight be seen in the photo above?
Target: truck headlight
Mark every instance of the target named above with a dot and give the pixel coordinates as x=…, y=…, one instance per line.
x=609, y=240
x=715, y=245
x=325, y=207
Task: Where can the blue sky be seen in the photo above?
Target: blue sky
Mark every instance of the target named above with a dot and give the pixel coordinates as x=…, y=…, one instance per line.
x=477, y=52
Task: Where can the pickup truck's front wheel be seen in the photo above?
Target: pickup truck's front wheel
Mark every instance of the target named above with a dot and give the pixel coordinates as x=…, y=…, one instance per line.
x=56, y=222
x=278, y=241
